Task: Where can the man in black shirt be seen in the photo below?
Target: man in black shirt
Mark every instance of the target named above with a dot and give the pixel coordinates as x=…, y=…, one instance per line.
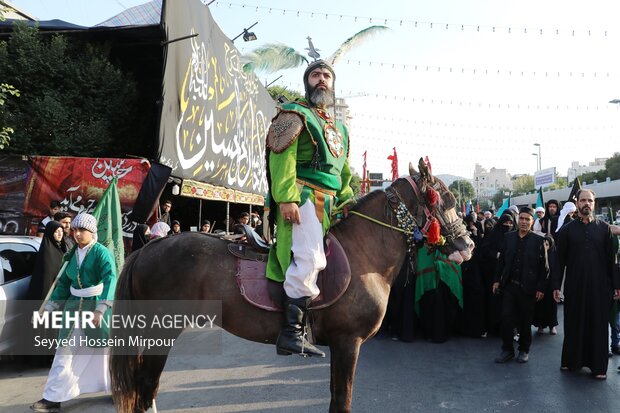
x=522, y=274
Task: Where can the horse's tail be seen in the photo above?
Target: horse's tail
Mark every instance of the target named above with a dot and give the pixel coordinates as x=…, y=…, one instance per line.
x=124, y=365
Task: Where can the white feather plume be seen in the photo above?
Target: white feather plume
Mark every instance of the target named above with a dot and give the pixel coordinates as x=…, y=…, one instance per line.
x=354, y=41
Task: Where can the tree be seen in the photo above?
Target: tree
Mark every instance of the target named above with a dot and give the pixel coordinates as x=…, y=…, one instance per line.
x=523, y=184
x=73, y=100
x=463, y=190
x=6, y=90
x=559, y=183
x=277, y=91
x=355, y=182
x=612, y=165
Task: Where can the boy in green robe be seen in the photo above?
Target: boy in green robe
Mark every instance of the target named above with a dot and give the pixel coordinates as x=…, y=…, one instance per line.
x=87, y=284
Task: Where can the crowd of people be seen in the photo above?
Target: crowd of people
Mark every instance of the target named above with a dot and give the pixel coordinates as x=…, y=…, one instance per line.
x=525, y=263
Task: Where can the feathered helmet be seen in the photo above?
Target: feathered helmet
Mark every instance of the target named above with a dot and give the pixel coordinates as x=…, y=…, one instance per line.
x=322, y=64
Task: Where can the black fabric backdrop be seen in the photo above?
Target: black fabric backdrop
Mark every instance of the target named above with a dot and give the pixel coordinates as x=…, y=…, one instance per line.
x=214, y=117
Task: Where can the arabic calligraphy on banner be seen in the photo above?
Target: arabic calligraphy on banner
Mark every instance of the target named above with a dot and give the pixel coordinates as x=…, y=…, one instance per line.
x=78, y=183
x=215, y=115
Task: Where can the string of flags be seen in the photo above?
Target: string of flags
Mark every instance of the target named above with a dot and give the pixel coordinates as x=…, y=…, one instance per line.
x=465, y=103
x=373, y=116
x=483, y=71
x=430, y=25
x=364, y=117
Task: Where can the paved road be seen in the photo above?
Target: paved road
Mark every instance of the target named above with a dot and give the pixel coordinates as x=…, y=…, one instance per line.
x=392, y=376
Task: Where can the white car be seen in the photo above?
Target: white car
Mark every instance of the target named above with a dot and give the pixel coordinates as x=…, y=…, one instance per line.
x=17, y=257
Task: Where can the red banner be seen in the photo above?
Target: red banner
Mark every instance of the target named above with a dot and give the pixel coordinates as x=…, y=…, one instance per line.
x=78, y=183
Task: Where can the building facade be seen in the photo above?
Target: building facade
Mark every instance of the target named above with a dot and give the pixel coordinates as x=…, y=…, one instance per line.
x=575, y=169
x=487, y=183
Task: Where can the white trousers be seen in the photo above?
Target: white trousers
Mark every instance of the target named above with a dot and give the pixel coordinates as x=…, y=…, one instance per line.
x=308, y=255
x=77, y=371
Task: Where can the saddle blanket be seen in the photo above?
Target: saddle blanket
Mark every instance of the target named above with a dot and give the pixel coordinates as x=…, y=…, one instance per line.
x=264, y=293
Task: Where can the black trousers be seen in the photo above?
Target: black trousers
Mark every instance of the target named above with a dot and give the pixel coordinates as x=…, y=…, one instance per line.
x=517, y=312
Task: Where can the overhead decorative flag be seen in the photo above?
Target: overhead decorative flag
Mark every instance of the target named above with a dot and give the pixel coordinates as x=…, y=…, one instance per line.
x=394, y=159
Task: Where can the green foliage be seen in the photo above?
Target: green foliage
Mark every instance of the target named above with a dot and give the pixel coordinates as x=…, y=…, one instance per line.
x=463, y=190
x=73, y=100
x=6, y=90
x=355, y=182
x=559, y=183
x=523, y=184
x=612, y=166
x=276, y=91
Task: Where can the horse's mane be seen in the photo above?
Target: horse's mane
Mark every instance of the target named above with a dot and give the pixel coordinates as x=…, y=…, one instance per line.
x=367, y=199
x=363, y=201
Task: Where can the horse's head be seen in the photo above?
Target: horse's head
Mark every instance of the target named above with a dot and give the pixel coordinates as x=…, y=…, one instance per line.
x=433, y=208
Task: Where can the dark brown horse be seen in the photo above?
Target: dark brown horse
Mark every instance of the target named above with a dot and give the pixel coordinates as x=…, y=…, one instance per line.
x=192, y=266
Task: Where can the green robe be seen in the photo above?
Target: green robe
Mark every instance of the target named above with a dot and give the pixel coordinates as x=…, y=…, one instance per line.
x=98, y=267
x=330, y=172
x=432, y=267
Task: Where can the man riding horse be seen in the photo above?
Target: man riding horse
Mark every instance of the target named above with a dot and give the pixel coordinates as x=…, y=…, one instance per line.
x=309, y=173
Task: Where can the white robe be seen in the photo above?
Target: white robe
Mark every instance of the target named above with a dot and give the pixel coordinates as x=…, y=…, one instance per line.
x=76, y=371
x=308, y=255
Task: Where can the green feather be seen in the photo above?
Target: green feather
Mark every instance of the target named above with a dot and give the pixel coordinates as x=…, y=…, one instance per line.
x=354, y=41
x=272, y=58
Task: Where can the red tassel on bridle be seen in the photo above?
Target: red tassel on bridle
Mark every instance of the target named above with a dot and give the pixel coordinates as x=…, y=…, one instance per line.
x=432, y=197
x=434, y=232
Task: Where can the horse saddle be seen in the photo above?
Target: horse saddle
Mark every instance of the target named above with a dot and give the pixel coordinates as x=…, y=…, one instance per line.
x=264, y=293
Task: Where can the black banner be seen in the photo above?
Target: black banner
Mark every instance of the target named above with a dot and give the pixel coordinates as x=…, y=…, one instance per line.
x=214, y=117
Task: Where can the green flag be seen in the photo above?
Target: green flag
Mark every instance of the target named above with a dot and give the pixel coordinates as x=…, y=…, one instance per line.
x=110, y=224
x=504, y=206
x=540, y=202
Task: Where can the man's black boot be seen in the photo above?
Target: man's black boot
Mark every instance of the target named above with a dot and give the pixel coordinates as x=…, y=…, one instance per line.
x=292, y=339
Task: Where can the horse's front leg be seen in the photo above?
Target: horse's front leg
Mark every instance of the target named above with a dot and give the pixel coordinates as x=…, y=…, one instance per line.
x=344, y=353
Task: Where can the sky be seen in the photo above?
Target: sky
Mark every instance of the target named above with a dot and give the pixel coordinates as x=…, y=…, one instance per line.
x=462, y=82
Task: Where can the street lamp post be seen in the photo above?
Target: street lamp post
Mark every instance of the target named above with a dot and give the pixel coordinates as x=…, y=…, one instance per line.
x=539, y=158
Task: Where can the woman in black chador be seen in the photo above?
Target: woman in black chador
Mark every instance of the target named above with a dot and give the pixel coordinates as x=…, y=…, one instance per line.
x=49, y=261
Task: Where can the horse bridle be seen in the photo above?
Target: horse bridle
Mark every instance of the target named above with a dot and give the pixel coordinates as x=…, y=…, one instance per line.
x=409, y=225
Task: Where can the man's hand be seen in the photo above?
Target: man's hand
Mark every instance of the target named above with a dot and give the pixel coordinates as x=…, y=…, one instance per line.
x=617, y=294
x=290, y=212
x=557, y=296
x=97, y=318
x=539, y=295
x=495, y=288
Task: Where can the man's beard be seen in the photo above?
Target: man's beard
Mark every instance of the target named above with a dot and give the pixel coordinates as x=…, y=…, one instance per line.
x=321, y=98
x=585, y=211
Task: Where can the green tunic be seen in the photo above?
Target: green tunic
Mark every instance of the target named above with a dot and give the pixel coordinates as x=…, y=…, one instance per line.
x=97, y=267
x=313, y=159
